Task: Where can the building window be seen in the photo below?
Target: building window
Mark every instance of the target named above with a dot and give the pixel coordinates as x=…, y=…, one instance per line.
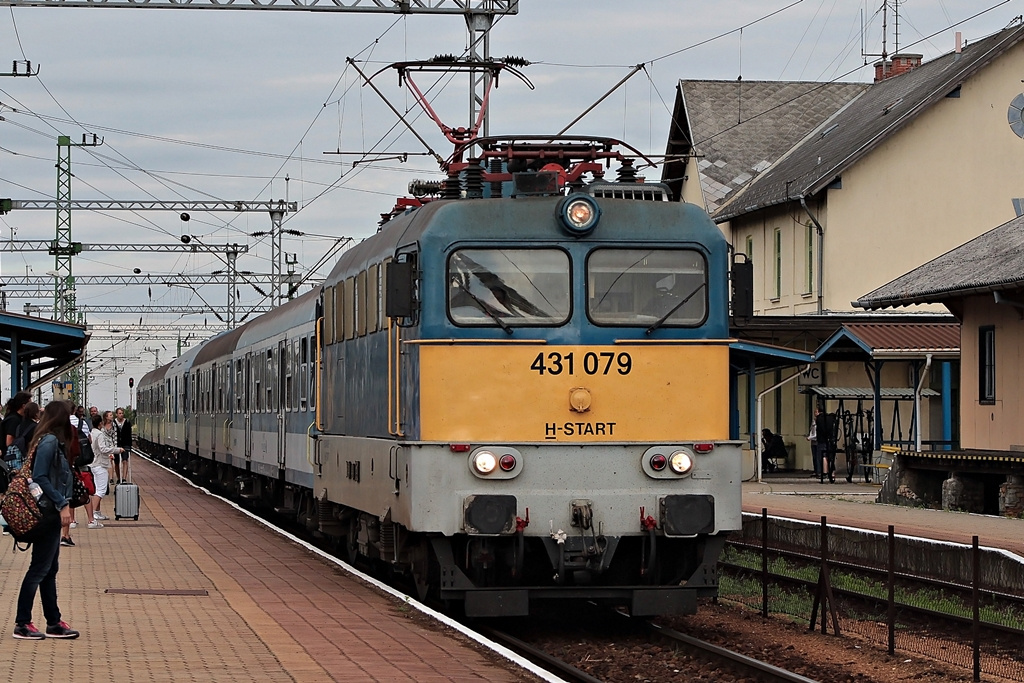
x=987, y=364
x=809, y=251
x=777, y=252
x=750, y=247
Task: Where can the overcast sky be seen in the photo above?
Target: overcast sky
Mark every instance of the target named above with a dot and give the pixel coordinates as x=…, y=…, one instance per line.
x=209, y=104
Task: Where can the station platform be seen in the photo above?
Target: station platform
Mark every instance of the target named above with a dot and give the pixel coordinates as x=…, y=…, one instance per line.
x=799, y=495
x=197, y=590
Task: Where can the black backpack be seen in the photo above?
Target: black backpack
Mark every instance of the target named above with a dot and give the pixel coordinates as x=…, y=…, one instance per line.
x=85, y=454
x=5, y=476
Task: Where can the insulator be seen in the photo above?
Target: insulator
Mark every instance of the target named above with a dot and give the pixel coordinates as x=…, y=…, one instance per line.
x=627, y=174
x=495, y=168
x=515, y=61
x=452, y=188
x=474, y=180
x=422, y=188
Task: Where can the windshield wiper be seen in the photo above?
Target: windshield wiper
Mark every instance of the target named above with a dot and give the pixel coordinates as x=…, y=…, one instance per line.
x=483, y=306
x=672, y=310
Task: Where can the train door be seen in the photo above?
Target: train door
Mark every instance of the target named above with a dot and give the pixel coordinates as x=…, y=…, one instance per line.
x=281, y=399
x=249, y=407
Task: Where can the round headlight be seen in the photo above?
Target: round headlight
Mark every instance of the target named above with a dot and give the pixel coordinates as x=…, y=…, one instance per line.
x=681, y=462
x=485, y=462
x=579, y=214
x=658, y=462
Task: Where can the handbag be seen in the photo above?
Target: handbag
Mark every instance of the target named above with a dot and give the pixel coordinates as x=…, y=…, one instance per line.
x=82, y=488
x=27, y=518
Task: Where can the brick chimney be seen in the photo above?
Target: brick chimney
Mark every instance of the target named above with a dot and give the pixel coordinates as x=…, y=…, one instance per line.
x=900, y=63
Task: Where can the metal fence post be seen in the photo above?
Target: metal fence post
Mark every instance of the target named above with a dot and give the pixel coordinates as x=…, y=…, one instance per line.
x=891, y=613
x=975, y=598
x=764, y=562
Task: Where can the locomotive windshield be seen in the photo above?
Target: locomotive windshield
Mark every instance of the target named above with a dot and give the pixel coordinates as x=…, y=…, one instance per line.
x=507, y=287
x=649, y=287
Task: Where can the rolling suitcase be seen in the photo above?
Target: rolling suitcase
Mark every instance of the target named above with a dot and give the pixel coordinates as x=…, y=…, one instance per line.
x=126, y=497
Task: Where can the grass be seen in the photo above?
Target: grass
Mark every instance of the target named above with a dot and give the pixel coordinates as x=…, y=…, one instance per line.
x=747, y=589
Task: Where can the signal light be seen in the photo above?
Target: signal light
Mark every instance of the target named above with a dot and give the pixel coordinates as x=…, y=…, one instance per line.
x=459, y=447
x=703, y=448
x=658, y=462
x=507, y=463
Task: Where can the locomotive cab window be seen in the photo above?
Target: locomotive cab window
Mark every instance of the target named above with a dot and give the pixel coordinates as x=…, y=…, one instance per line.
x=509, y=287
x=659, y=287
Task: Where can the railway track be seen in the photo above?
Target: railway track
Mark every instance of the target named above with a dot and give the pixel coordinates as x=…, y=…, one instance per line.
x=580, y=652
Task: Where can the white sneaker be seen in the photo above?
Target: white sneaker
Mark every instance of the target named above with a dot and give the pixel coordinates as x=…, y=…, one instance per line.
x=99, y=515
x=94, y=524
x=74, y=525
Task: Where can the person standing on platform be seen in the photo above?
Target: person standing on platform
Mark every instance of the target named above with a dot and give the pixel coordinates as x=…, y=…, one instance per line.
x=103, y=448
x=123, y=433
x=52, y=471
x=13, y=412
x=812, y=436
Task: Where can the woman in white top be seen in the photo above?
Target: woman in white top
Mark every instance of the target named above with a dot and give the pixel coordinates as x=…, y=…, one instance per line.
x=104, y=446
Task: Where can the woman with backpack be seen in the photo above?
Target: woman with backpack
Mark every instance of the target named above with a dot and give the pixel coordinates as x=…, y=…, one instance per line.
x=52, y=471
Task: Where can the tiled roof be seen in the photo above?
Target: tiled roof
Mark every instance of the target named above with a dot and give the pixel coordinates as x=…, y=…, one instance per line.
x=737, y=129
x=857, y=129
x=990, y=262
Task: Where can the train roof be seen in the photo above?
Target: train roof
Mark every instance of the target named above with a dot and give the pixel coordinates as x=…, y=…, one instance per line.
x=155, y=375
x=184, y=362
x=220, y=345
x=283, y=318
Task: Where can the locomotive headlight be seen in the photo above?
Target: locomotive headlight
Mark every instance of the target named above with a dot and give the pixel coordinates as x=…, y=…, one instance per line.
x=485, y=462
x=579, y=214
x=681, y=462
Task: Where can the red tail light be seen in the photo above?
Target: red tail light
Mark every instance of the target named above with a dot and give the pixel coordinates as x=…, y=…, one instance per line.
x=507, y=463
x=658, y=462
x=459, y=447
x=703, y=448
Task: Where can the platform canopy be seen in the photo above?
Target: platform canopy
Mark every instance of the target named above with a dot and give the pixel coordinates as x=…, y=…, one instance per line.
x=37, y=347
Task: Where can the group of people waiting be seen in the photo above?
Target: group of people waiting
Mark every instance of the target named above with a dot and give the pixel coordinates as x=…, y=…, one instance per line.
x=822, y=435
x=54, y=435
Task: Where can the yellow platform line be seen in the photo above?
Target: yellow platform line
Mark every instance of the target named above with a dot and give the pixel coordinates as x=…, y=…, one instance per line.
x=292, y=656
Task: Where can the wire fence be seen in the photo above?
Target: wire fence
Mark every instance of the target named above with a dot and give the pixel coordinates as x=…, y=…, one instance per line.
x=954, y=603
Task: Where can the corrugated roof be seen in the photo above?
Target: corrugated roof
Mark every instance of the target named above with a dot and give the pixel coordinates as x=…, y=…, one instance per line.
x=907, y=338
x=737, y=129
x=867, y=393
x=857, y=129
x=889, y=340
x=990, y=262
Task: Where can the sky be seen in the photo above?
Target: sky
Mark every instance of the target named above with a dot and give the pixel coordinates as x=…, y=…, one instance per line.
x=202, y=104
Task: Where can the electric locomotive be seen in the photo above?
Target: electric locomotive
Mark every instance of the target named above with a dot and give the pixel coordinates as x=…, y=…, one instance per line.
x=518, y=389
x=525, y=387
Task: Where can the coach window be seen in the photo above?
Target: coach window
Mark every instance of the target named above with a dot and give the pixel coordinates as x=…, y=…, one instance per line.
x=382, y=289
x=239, y=386
x=303, y=371
x=647, y=287
x=313, y=369
x=373, y=298
x=328, y=326
x=350, y=308
x=339, y=312
x=271, y=375
x=509, y=287
x=987, y=365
